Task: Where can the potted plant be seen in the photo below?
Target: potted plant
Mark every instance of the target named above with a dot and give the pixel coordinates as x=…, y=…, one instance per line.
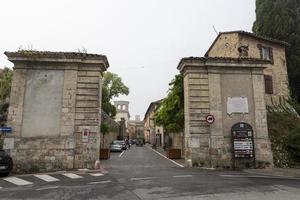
x=104, y=152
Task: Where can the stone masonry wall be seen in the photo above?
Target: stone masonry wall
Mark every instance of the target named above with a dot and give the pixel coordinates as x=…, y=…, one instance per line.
x=87, y=116
x=196, y=108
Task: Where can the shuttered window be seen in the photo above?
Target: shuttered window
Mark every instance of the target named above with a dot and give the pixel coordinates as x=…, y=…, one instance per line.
x=268, y=84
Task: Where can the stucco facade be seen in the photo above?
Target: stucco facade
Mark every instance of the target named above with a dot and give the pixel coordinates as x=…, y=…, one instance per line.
x=209, y=83
x=239, y=44
x=55, y=110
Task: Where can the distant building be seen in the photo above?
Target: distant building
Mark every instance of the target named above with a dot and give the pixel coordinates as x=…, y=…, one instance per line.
x=122, y=111
x=152, y=132
x=135, y=128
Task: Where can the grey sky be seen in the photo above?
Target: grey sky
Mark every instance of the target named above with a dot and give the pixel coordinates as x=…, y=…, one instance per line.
x=143, y=39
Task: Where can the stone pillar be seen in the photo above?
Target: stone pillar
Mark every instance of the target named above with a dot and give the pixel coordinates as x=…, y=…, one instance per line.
x=262, y=144
x=55, y=97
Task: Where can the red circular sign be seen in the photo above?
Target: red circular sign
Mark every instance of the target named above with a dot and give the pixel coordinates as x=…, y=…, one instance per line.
x=210, y=119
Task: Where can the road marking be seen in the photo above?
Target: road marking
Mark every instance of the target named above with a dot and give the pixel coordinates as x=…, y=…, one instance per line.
x=83, y=170
x=72, y=176
x=97, y=174
x=258, y=176
x=47, y=188
x=99, y=182
x=144, y=178
x=17, y=181
x=46, y=178
x=183, y=176
x=1, y=188
x=176, y=163
x=122, y=153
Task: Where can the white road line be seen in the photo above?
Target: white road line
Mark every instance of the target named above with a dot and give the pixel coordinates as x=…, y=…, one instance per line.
x=99, y=182
x=97, y=174
x=144, y=178
x=1, y=188
x=122, y=153
x=258, y=176
x=47, y=188
x=72, y=176
x=166, y=157
x=183, y=176
x=46, y=178
x=17, y=181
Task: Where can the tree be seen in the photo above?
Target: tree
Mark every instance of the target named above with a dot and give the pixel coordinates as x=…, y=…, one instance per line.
x=112, y=87
x=5, y=85
x=280, y=19
x=171, y=112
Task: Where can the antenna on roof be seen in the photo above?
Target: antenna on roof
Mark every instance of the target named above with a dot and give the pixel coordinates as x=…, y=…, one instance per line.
x=215, y=30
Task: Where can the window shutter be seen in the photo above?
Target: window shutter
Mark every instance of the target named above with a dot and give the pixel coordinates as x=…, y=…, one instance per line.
x=271, y=55
x=260, y=51
x=268, y=84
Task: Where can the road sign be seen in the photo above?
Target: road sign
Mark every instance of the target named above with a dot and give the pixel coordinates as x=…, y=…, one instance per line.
x=210, y=119
x=5, y=129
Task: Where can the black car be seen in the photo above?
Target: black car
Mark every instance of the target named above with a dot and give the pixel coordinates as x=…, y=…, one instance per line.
x=6, y=163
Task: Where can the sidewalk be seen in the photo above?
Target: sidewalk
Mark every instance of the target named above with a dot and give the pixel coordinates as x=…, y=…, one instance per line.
x=280, y=172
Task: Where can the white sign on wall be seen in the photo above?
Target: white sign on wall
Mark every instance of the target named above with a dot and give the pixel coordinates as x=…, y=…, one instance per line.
x=237, y=105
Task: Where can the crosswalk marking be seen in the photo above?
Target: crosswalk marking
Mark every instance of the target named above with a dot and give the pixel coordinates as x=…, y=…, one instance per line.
x=72, y=176
x=46, y=178
x=99, y=182
x=17, y=181
x=182, y=176
x=97, y=174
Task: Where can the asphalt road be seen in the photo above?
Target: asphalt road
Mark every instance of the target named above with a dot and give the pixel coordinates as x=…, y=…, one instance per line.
x=141, y=173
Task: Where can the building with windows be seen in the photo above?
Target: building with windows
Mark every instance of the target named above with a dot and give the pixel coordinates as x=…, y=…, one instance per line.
x=153, y=133
x=241, y=44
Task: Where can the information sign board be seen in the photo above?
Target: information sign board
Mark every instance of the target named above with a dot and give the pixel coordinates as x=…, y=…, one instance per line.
x=242, y=139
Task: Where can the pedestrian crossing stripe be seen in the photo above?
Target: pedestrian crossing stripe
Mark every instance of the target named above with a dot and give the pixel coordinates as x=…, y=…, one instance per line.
x=97, y=174
x=46, y=178
x=72, y=176
x=17, y=181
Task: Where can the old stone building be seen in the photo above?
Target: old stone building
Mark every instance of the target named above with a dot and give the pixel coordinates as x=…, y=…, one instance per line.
x=241, y=44
x=153, y=133
x=55, y=110
x=135, y=128
x=225, y=112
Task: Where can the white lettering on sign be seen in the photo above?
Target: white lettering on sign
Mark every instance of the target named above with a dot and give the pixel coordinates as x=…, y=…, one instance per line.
x=242, y=145
x=237, y=105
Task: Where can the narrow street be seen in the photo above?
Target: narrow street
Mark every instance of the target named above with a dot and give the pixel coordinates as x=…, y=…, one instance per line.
x=141, y=173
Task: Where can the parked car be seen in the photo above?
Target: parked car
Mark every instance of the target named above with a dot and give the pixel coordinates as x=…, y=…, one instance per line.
x=6, y=163
x=117, y=145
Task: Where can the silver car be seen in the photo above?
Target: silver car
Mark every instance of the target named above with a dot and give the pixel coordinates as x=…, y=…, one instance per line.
x=117, y=145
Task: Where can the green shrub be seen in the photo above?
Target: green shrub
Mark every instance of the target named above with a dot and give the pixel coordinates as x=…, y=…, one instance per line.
x=292, y=143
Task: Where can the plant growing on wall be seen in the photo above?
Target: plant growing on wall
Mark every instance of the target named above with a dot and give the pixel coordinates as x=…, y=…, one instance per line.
x=5, y=85
x=171, y=113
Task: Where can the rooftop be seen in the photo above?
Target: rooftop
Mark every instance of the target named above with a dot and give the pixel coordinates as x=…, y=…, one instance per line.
x=260, y=37
x=25, y=55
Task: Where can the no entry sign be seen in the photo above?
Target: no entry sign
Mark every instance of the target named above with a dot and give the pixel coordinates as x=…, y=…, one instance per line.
x=210, y=119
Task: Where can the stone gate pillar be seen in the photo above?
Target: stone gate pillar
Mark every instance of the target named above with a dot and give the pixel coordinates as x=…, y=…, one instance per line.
x=54, y=111
x=210, y=84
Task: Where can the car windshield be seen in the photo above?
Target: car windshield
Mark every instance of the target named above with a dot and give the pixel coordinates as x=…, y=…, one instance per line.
x=117, y=142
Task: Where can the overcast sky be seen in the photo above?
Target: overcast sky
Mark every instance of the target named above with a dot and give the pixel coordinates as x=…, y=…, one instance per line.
x=143, y=39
